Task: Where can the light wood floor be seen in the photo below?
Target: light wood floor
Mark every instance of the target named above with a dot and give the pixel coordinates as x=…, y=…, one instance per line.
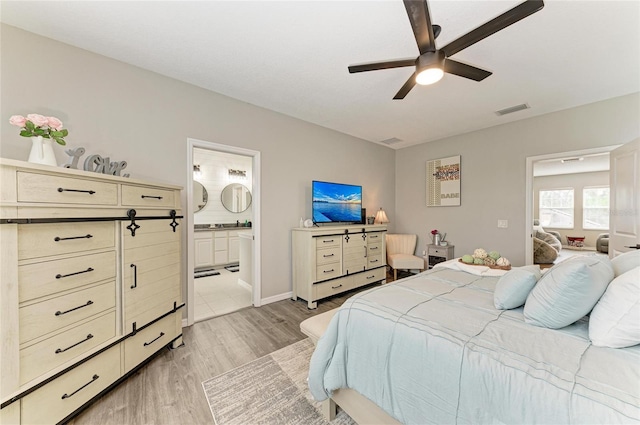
x=168, y=389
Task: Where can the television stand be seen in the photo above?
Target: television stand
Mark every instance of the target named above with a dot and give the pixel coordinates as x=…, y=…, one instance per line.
x=329, y=260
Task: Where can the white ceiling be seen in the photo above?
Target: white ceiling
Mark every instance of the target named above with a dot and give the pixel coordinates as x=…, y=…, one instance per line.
x=292, y=56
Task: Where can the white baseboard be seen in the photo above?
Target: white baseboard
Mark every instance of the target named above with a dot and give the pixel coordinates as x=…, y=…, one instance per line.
x=276, y=298
x=245, y=284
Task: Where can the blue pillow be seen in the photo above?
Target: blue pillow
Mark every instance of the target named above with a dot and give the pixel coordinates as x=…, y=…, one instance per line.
x=568, y=291
x=513, y=287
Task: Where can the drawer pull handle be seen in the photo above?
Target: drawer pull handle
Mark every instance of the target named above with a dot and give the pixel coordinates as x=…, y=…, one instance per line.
x=330, y=241
x=90, y=192
x=60, y=276
x=336, y=287
x=135, y=276
x=374, y=247
x=152, y=197
x=69, y=395
x=327, y=256
x=371, y=277
x=373, y=261
x=58, y=238
x=154, y=340
x=328, y=271
x=62, y=350
x=60, y=313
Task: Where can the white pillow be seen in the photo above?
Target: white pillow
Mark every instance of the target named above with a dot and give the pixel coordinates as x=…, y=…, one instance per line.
x=625, y=262
x=568, y=291
x=615, y=320
x=513, y=287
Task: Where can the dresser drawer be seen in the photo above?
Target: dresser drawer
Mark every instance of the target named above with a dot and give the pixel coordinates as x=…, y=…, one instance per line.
x=62, y=396
x=333, y=287
x=375, y=261
x=329, y=255
x=47, y=316
x=328, y=271
x=49, y=277
x=327, y=242
x=43, y=188
x=40, y=240
x=371, y=276
x=374, y=248
x=149, y=340
x=375, y=237
x=52, y=352
x=140, y=196
x=440, y=252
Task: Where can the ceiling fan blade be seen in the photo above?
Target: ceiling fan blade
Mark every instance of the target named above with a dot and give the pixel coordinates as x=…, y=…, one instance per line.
x=418, y=12
x=463, y=70
x=406, y=88
x=373, y=66
x=512, y=16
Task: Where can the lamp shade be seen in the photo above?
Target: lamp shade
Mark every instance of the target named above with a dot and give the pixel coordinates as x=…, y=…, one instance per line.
x=381, y=217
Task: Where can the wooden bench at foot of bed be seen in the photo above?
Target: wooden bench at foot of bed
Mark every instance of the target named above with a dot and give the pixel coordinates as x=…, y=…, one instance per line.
x=358, y=407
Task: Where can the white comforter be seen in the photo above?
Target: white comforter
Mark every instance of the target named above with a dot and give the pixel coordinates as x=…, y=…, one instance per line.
x=432, y=349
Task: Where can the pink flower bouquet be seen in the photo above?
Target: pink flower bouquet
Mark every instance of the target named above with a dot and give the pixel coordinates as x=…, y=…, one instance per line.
x=39, y=125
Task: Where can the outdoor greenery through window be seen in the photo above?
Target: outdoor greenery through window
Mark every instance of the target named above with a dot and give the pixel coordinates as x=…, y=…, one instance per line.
x=556, y=208
x=595, y=208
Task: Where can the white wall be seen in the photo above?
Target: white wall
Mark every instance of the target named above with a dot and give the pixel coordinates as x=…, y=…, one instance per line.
x=127, y=113
x=214, y=167
x=493, y=173
x=577, y=182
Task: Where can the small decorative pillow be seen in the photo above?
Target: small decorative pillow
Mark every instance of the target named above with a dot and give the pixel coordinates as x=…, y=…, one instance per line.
x=568, y=291
x=615, y=320
x=550, y=239
x=513, y=287
x=625, y=262
x=543, y=253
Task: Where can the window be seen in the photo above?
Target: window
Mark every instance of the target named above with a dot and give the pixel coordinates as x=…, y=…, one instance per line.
x=595, y=208
x=556, y=208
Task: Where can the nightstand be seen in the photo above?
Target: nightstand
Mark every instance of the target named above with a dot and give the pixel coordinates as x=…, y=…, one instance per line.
x=437, y=254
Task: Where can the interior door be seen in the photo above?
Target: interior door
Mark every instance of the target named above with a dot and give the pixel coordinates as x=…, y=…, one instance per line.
x=624, y=222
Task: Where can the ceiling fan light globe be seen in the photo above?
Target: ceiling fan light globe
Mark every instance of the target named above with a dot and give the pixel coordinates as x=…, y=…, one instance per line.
x=429, y=76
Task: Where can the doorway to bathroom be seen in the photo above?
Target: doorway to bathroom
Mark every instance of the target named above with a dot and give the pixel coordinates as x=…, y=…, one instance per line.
x=223, y=233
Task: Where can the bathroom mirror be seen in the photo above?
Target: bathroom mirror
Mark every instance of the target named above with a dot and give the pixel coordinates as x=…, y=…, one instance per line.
x=200, y=196
x=236, y=198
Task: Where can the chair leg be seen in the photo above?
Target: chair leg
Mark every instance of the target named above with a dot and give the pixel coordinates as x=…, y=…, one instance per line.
x=395, y=274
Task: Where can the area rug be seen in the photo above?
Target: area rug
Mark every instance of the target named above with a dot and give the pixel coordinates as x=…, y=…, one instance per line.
x=269, y=390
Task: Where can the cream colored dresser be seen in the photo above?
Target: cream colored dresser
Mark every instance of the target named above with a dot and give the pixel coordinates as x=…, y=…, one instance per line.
x=90, y=285
x=334, y=259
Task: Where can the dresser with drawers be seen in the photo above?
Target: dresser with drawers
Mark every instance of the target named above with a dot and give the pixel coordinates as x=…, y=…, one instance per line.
x=333, y=259
x=90, y=285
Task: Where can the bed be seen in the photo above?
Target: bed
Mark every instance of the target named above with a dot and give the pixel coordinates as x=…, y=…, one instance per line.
x=432, y=348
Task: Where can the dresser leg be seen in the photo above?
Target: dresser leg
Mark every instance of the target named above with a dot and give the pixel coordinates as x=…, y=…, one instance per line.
x=177, y=343
x=312, y=305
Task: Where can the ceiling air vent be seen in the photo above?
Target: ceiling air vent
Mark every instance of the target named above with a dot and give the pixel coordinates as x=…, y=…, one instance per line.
x=391, y=141
x=512, y=109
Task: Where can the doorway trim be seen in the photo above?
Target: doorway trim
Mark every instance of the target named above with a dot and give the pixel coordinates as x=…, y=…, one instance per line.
x=528, y=221
x=256, y=254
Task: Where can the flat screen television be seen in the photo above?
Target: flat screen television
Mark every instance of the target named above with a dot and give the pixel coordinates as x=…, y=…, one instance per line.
x=336, y=202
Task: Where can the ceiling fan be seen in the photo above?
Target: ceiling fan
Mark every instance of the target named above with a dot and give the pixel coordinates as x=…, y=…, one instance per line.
x=433, y=62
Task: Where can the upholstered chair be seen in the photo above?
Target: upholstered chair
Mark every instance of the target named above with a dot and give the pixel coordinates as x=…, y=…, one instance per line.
x=602, y=243
x=400, y=249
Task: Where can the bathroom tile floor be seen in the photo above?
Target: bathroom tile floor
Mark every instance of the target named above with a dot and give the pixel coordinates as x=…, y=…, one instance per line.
x=218, y=295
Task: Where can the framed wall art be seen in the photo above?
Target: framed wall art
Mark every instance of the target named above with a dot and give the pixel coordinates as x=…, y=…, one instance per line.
x=443, y=182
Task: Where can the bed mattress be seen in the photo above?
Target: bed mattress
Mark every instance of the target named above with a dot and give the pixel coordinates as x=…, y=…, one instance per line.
x=433, y=349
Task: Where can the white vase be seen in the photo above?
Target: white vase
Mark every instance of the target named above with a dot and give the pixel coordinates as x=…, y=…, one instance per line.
x=42, y=151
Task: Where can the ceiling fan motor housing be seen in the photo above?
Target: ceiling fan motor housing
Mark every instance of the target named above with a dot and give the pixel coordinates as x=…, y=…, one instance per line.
x=430, y=60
